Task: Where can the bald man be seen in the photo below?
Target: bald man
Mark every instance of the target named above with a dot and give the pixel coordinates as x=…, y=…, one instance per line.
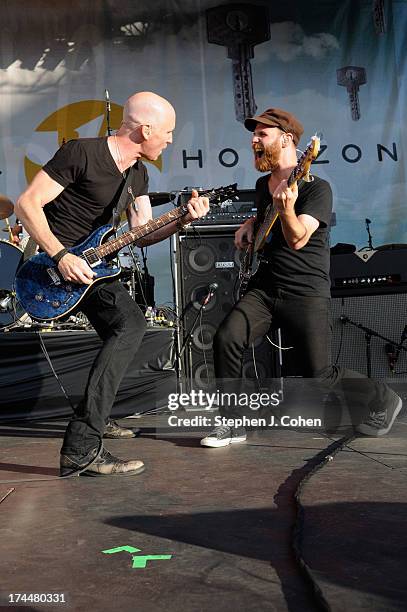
x=73, y=194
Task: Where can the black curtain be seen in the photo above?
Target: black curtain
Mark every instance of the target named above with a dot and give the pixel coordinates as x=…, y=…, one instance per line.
x=29, y=390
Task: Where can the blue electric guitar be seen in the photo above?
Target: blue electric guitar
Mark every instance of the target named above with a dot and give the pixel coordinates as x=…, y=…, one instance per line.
x=45, y=295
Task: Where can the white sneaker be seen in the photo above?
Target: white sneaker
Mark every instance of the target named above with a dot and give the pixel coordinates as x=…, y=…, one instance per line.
x=224, y=435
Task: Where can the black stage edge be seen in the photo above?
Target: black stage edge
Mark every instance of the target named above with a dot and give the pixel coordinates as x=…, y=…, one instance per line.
x=29, y=390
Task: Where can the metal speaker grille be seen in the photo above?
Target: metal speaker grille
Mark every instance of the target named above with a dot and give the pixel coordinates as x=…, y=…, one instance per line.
x=203, y=260
x=384, y=314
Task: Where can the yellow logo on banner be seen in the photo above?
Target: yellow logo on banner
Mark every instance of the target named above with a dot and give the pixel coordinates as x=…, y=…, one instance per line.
x=67, y=120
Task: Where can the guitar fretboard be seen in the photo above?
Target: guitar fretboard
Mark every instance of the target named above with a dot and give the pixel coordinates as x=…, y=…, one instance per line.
x=116, y=244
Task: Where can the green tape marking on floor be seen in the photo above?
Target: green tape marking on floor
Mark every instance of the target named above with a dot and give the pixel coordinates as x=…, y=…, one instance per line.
x=129, y=549
x=141, y=561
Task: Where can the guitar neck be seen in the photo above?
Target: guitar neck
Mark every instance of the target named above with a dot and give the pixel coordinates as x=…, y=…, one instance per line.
x=272, y=215
x=116, y=244
x=293, y=177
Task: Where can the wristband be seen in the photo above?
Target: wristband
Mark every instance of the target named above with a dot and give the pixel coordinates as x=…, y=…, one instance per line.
x=58, y=256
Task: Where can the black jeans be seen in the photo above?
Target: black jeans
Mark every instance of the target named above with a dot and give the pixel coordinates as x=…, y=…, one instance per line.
x=307, y=327
x=121, y=325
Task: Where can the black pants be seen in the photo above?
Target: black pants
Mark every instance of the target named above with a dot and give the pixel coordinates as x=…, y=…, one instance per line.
x=121, y=325
x=307, y=326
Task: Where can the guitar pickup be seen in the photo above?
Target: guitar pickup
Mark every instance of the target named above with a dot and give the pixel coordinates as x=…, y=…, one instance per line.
x=91, y=257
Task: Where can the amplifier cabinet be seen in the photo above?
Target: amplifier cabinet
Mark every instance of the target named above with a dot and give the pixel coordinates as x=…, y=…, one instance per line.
x=202, y=259
x=384, y=314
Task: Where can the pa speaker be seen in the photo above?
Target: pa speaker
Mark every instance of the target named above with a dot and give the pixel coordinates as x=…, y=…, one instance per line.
x=385, y=315
x=203, y=261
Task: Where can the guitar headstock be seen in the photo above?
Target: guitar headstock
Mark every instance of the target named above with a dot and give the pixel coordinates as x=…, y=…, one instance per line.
x=302, y=169
x=221, y=194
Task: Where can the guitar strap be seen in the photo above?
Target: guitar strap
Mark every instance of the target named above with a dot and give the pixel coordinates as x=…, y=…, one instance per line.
x=123, y=199
x=30, y=249
x=120, y=207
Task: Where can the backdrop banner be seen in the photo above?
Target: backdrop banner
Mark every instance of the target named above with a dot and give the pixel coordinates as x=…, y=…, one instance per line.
x=337, y=64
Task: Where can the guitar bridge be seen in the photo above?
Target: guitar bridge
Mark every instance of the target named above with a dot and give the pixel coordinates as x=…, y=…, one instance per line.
x=56, y=279
x=91, y=257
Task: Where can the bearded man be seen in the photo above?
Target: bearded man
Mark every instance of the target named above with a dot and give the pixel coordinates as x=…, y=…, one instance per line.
x=291, y=288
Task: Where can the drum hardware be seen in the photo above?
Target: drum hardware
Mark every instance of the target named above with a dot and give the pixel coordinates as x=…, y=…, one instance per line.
x=6, y=301
x=11, y=313
x=8, y=229
x=80, y=321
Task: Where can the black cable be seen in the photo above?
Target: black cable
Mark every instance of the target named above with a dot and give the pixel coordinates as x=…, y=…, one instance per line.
x=318, y=462
x=48, y=358
x=172, y=271
x=341, y=337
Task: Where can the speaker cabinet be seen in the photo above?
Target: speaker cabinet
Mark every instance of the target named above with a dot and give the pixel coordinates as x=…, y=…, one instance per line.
x=204, y=258
x=383, y=314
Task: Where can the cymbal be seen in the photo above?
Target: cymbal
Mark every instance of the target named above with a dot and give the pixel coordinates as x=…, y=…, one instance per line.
x=6, y=207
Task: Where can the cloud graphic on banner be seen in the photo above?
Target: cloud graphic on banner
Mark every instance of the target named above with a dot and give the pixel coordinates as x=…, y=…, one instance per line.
x=289, y=41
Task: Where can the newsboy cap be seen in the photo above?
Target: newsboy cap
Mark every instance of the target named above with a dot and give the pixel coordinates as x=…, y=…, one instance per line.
x=276, y=117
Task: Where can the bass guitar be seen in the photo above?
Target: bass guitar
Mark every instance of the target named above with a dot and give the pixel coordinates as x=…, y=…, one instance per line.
x=45, y=295
x=248, y=265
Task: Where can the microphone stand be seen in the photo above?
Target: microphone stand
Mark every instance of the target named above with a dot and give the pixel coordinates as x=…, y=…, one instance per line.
x=136, y=270
x=109, y=130
x=368, y=337
x=369, y=241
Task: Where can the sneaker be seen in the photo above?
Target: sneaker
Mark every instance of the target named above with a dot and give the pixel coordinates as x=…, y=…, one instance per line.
x=224, y=435
x=103, y=465
x=113, y=430
x=379, y=423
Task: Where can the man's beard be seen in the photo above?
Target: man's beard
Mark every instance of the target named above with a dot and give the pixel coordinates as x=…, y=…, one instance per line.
x=266, y=159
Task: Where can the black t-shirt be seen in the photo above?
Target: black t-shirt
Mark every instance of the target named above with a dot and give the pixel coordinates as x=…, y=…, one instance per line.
x=93, y=184
x=304, y=272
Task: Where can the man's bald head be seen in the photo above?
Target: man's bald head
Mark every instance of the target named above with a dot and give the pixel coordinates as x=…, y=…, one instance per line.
x=147, y=108
x=147, y=126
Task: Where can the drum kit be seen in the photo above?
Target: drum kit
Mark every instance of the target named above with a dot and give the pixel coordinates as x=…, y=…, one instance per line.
x=10, y=257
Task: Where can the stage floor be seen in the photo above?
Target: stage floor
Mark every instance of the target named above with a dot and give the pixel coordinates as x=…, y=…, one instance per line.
x=225, y=520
